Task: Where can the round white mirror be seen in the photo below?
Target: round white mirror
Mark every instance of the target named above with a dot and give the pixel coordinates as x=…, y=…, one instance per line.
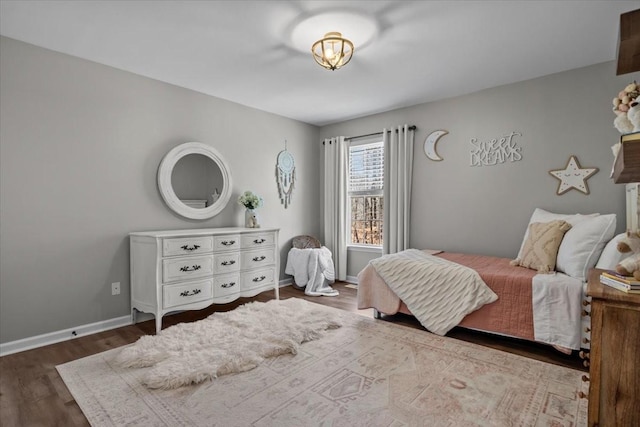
x=194, y=180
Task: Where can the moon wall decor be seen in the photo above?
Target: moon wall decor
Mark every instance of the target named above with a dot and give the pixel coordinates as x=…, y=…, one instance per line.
x=430, y=145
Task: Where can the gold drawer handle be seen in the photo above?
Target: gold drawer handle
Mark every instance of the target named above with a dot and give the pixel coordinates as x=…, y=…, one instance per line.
x=228, y=285
x=190, y=248
x=259, y=258
x=190, y=293
x=228, y=262
x=194, y=268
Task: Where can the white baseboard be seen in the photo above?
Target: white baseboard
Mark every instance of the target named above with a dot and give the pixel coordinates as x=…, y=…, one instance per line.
x=64, y=335
x=285, y=282
x=352, y=279
x=79, y=331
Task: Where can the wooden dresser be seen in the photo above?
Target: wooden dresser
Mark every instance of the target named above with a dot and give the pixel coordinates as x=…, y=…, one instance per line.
x=176, y=270
x=614, y=359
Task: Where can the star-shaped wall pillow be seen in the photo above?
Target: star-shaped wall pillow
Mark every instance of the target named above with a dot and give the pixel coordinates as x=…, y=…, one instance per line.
x=573, y=176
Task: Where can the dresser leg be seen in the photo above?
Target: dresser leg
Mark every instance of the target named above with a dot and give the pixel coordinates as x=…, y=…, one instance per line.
x=277, y=290
x=158, y=324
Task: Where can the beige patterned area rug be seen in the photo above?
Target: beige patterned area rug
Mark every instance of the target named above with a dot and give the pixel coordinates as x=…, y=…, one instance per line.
x=366, y=373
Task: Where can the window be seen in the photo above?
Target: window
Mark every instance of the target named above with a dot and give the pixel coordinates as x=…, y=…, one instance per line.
x=366, y=180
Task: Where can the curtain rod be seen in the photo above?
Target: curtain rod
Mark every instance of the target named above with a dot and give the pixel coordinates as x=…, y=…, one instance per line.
x=349, y=138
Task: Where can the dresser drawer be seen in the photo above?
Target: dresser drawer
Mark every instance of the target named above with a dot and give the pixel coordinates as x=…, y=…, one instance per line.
x=258, y=240
x=257, y=278
x=187, y=246
x=226, y=285
x=187, y=293
x=226, y=243
x=228, y=262
x=258, y=258
x=186, y=268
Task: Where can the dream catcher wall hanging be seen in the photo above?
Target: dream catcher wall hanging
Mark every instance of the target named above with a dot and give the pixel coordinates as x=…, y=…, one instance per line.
x=285, y=176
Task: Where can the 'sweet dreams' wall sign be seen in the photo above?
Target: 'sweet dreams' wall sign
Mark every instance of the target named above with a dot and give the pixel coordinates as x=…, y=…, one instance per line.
x=495, y=151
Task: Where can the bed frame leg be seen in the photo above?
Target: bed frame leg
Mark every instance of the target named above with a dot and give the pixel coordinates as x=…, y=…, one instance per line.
x=376, y=314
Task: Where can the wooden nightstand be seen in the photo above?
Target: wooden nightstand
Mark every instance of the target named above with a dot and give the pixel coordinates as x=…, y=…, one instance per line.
x=614, y=391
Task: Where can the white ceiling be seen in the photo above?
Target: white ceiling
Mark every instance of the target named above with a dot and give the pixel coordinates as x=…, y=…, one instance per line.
x=243, y=51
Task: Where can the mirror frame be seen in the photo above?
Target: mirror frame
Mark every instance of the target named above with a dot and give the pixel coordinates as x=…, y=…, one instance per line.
x=165, y=171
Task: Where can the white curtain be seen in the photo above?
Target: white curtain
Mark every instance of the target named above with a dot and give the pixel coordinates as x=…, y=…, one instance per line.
x=398, y=170
x=335, y=202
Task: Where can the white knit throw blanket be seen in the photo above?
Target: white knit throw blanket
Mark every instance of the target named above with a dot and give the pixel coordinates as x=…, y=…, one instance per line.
x=438, y=292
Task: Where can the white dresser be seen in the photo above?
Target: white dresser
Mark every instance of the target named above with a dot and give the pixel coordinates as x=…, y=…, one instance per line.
x=191, y=269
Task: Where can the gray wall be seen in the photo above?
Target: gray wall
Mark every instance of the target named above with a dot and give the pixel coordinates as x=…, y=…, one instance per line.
x=80, y=145
x=486, y=209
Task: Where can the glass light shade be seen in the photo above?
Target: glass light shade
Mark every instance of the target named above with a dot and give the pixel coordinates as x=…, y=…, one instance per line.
x=333, y=51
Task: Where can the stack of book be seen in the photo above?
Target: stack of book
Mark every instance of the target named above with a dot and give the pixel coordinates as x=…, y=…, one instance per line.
x=622, y=283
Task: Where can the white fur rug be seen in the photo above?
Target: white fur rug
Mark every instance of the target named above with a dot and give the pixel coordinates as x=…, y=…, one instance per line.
x=223, y=343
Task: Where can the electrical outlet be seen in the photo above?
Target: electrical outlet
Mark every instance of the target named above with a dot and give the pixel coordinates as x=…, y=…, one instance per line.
x=115, y=288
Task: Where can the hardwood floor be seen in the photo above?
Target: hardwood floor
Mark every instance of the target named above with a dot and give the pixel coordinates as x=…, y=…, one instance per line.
x=33, y=394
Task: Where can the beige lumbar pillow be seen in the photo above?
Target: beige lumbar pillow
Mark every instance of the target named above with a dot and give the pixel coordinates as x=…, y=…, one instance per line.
x=541, y=247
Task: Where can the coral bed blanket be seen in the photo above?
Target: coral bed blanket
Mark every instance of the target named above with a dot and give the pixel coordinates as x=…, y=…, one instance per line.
x=439, y=293
x=511, y=314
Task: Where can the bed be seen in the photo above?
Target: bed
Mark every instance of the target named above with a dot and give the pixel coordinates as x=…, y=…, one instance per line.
x=550, y=307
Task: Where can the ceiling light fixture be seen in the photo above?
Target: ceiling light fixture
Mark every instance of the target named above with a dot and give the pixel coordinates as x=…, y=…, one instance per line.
x=332, y=51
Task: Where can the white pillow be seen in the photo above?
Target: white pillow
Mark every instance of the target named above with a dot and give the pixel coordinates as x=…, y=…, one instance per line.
x=582, y=245
x=610, y=256
x=540, y=215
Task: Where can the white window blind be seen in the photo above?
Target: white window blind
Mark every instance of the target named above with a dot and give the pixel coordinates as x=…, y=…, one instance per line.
x=366, y=168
